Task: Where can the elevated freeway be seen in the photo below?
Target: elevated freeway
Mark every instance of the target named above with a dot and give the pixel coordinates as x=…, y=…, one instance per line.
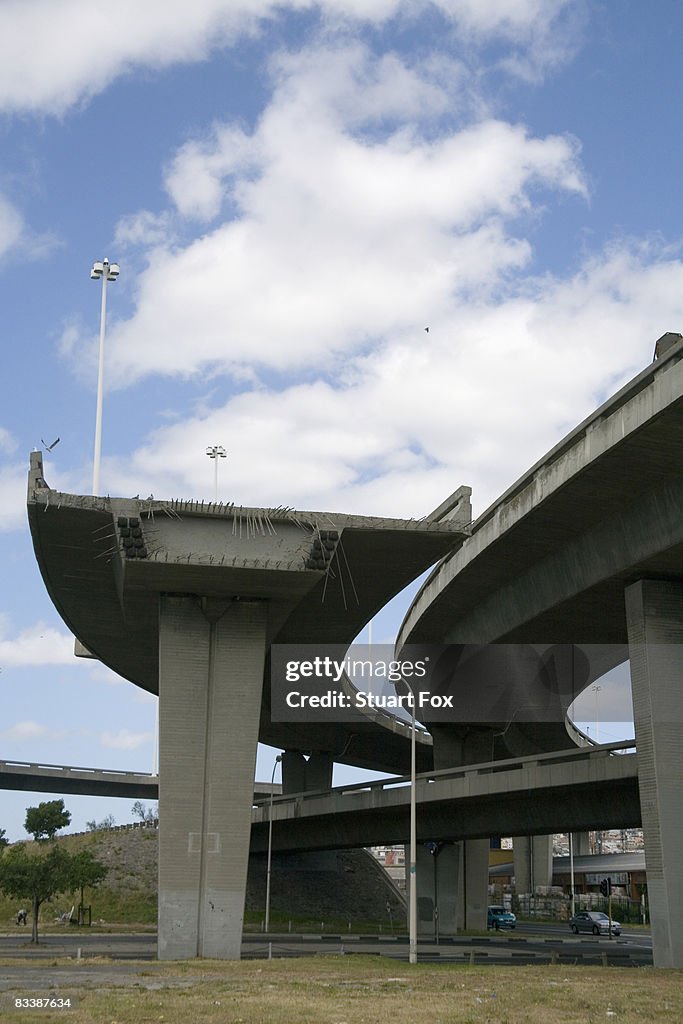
x=579, y=789
x=35, y=777
x=549, y=561
x=573, y=790
x=186, y=599
x=587, y=549
x=586, y=788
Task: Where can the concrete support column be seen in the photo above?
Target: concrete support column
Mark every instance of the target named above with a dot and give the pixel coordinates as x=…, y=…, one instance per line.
x=211, y=657
x=466, y=878
x=293, y=772
x=319, y=771
x=654, y=613
x=425, y=892
x=581, y=842
x=437, y=890
x=533, y=858
x=473, y=885
x=302, y=774
x=446, y=875
x=453, y=746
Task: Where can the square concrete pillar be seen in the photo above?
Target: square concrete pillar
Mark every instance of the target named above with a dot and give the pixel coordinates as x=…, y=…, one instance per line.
x=533, y=860
x=211, y=658
x=306, y=774
x=581, y=842
x=473, y=894
x=437, y=890
x=654, y=611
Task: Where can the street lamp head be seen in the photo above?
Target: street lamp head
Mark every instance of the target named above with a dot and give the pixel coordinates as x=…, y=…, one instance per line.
x=216, y=451
x=103, y=268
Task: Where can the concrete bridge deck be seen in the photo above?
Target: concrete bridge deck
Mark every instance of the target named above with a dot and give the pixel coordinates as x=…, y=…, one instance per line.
x=573, y=790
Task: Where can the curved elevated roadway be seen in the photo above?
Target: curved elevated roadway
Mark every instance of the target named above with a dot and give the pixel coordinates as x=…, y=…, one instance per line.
x=549, y=561
x=587, y=548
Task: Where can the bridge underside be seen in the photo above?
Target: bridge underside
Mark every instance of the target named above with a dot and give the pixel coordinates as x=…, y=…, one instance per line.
x=575, y=791
x=615, y=804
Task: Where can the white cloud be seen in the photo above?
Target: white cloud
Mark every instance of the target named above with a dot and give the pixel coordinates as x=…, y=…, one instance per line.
x=30, y=730
x=101, y=674
x=56, y=53
x=36, y=645
x=338, y=237
x=143, y=229
x=11, y=226
x=477, y=400
x=12, y=493
x=8, y=444
x=124, y=739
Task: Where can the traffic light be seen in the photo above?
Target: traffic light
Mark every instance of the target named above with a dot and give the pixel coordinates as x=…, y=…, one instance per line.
x=606, y=887
x=434, y=848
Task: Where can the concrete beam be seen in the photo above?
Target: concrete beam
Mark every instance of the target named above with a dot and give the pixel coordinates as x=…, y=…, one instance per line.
x=580, y=790
x=52, y=778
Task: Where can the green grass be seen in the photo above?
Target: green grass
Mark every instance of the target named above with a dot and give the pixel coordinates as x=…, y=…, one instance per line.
x=367, y=990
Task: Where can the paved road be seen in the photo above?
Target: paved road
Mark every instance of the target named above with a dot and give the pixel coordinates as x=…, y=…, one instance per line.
x=528, y=944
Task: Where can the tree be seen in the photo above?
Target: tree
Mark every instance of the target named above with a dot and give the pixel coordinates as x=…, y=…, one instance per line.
x=43, y=821
x=86, y=870
x=34, y=876
x=3, y=838
x=143, y=812
x=108, y=822
x=37, y=875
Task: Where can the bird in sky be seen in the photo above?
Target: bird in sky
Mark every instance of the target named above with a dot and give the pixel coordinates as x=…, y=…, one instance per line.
x=427, y=330
x=49, y=447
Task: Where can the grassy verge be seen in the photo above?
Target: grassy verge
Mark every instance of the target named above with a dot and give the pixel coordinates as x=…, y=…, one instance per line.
x=370, y=990
x=298, y=924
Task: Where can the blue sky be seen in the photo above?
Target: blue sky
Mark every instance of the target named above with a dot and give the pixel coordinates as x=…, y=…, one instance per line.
x=294, y=191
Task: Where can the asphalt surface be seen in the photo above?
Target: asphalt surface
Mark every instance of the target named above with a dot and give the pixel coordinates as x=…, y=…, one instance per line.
x=115, y=959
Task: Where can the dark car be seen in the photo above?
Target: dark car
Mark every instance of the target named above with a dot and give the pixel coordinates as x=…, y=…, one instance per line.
x=499, y=917
x=594, y=922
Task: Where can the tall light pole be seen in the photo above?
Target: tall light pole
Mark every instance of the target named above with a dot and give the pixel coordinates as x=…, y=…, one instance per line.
x=596, y=689
x=216, y=452
x=412, y=895
x=571, y=872
x=266, y=923
x=104, y=271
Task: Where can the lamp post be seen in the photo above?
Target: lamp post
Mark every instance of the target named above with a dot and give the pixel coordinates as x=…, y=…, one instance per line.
x=596, y=689
x=571, y=872
x=412, y=906
x=104, y=271
x=266, y=923
x=216, y=452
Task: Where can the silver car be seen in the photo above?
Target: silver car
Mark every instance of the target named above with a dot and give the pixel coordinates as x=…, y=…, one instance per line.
x=594, y=922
